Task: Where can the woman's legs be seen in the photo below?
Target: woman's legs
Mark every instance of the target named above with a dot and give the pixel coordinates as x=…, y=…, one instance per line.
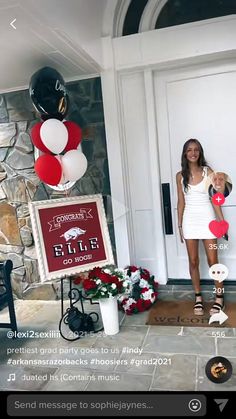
x=193, y=257
x=211, y=251
x=212, y=258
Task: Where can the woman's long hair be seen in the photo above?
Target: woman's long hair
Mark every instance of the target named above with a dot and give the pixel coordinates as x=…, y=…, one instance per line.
x=184, y=162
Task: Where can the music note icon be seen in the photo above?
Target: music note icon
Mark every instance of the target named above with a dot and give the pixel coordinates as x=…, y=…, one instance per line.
x=11, y=377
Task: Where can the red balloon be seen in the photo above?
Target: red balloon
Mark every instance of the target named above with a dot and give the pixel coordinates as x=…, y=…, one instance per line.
x=36, y=139
x=48, y=169
x=74, y=135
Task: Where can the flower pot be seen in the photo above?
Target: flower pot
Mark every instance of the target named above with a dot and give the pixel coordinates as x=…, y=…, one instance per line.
x=109, y=313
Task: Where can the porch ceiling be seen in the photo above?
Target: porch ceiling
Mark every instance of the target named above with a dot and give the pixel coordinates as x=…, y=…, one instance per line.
x=63, y=35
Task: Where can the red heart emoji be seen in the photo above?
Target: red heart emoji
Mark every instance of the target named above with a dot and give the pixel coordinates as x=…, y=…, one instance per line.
x=218, y=228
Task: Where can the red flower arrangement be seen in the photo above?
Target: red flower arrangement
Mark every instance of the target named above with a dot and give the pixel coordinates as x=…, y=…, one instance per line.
x=142, y=291
x=103, y=282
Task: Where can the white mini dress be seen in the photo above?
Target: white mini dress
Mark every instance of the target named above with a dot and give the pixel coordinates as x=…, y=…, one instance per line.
x=198, y=211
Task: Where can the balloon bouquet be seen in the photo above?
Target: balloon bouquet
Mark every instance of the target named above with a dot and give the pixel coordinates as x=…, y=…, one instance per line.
x=57, y=139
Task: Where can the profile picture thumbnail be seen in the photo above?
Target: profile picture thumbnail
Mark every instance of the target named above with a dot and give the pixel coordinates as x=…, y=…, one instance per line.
x=218, y=369
x=219, y=182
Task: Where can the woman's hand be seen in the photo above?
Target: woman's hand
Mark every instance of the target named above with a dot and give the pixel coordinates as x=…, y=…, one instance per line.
x=181, y=234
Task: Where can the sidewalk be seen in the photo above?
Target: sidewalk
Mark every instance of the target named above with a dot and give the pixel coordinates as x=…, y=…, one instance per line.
x=138, y=358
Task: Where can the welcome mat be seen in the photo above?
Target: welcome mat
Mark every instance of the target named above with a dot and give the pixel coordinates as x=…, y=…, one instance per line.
x=180, y=313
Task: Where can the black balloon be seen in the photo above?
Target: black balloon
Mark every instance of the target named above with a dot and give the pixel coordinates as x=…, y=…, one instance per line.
x=48, y=93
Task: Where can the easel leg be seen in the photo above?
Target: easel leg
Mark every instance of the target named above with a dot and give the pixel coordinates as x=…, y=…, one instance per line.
x=62, y=300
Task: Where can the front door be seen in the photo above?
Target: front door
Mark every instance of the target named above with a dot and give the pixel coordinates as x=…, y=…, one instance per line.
x=198, y=102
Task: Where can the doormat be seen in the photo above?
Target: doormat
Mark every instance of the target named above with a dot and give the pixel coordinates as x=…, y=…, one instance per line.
x=180, y=313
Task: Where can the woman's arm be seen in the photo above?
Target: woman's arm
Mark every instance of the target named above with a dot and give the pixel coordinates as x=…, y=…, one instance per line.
x=180, y=204
x=220, y=217
x=218, y=212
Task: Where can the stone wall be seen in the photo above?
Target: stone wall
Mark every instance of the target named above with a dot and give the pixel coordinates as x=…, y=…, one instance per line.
x=19, y=184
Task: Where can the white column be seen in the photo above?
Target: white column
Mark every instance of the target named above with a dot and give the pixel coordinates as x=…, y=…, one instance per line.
x=154, y=158
x=114, y=151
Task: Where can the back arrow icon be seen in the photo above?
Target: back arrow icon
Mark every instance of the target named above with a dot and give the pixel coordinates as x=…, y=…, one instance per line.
x=12, y=24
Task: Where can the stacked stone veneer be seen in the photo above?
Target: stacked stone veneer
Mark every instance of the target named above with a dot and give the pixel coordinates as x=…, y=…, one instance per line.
x=19, y=184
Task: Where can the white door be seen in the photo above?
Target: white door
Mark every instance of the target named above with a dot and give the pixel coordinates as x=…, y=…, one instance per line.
x=198, y=102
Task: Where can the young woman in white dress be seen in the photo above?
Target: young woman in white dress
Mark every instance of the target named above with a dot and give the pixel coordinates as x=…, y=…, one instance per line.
x=195, y=212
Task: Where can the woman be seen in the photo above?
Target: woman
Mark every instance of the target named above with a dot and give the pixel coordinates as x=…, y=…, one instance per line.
x=195, y=212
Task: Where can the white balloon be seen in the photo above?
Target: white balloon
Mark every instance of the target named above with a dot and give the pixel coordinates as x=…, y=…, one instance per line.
x=74, y=165
x=54, y=135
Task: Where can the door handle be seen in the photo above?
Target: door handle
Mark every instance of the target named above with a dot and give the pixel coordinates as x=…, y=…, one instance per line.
x=167, y=208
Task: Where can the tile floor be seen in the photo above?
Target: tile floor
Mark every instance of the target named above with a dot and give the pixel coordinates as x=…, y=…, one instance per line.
x=138, y=358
